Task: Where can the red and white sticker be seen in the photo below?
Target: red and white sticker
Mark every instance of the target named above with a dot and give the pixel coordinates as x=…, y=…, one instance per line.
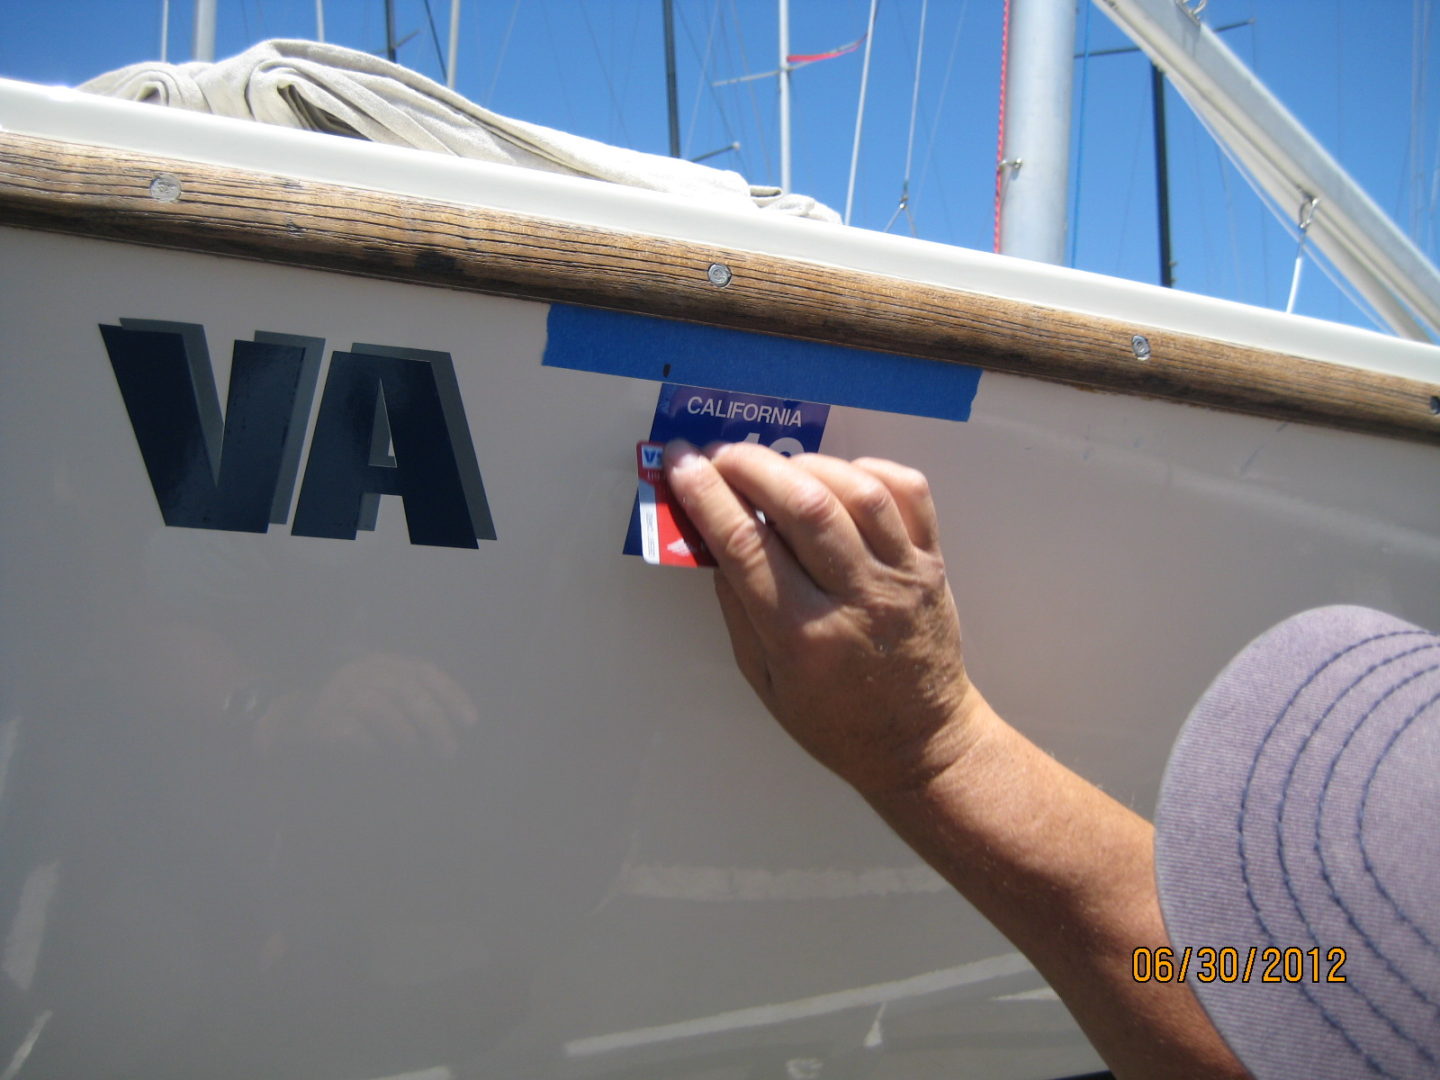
x=666, y=536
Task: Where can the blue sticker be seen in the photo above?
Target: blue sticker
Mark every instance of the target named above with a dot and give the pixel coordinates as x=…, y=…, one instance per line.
x=704, y=416
x=644, y=347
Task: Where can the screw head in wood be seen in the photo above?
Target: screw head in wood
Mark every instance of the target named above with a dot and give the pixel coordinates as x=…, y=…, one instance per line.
x=165, y=188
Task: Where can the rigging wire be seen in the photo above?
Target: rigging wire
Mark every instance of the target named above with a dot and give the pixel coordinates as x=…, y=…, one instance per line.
x=754, y=100
x=1427, y=188
x=1282, y=215
x=1336, y=278
x=500, y=59
x=1210, y=253
x=729, y=64
x=1304, y=220
x=1433, y=202
x=1000, y=137
x=1264, y=203
x=435, y=37
x=560, y=79
x=700, y=79
x=860, y=111
x=630, y=69
x=1338, y=81
x=1412, y=176
x=1423, y=206
x=1074, y=223
x=1129, y=202
x=1232, y=225
x=1232, y=217
x=618, y=112
x=904, y=206
x=1402, y=205
x=703, y=80
x=940, y=112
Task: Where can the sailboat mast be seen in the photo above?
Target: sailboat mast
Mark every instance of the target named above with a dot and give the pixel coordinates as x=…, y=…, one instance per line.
x=204, y=40
x=1162, y=176
x=1035, y=161
x=672, y=97
x=784, y=95
x=454, y=43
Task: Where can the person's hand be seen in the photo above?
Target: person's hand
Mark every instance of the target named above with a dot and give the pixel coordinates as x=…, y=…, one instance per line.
x=837, y=606
x=842, y=621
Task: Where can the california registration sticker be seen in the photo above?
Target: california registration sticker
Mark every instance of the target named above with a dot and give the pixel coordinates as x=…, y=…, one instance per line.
x=703, y=416
x=666, y=536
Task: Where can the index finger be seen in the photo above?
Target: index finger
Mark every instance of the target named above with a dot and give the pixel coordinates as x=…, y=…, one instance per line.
x=808, y=513
x=755, y=561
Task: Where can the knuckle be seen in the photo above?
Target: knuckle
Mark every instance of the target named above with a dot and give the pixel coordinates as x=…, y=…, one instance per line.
x=871, y=499
x=933, y=575
x=815, y=648
x=885, y=616
x=810, y=505
x=909, y=482
x=912, y=482
x=742, y=543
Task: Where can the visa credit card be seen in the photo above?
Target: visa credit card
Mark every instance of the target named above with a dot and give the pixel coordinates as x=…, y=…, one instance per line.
x=666, y=536
x=704, y=416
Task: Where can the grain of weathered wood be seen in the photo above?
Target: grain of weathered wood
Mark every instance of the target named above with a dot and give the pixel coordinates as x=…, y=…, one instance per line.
x=112, y=194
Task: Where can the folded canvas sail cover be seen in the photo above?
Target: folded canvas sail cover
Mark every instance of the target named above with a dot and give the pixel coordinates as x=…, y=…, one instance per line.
x=317, y=87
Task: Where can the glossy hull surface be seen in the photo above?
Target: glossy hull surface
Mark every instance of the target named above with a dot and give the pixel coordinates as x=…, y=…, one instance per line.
x=296, y=806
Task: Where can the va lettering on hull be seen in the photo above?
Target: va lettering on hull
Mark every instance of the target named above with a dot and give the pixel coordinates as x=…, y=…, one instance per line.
x=390, y=422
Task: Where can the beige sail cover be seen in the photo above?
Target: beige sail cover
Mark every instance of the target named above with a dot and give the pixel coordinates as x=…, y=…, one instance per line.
x=327, y=88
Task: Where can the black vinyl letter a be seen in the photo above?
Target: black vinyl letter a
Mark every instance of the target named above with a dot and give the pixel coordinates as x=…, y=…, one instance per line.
x=430, y=470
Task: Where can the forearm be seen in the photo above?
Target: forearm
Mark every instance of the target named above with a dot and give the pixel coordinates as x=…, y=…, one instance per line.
x=841, y=618
x=1067, y=873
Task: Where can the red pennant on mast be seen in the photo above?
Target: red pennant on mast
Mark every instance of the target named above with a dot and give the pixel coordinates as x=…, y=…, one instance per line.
x=843, y=50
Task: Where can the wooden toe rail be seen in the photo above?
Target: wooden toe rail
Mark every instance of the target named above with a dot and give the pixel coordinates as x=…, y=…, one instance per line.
x=142, y=199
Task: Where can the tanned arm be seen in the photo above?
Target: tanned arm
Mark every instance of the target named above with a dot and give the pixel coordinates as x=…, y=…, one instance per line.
x=841, y=619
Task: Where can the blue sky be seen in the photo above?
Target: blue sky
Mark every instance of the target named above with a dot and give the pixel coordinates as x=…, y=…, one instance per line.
x=1350, y=71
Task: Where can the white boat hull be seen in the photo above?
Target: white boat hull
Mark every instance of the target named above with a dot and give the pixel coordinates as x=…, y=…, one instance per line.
x=622, y=869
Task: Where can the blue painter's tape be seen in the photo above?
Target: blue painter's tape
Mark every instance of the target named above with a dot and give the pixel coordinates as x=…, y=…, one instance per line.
x=643, y=347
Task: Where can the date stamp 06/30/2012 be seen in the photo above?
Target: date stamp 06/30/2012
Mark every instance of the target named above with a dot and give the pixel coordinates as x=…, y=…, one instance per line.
x=1270, y=964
